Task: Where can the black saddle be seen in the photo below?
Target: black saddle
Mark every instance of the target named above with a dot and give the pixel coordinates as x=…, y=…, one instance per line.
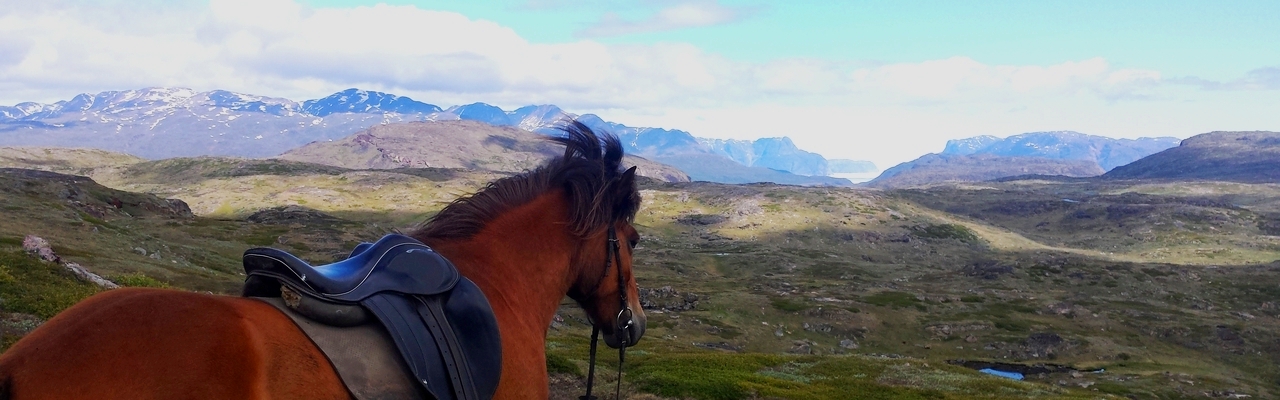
x=440, y=321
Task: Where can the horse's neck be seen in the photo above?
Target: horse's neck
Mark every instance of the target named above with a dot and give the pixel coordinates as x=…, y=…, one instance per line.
x=521, y=261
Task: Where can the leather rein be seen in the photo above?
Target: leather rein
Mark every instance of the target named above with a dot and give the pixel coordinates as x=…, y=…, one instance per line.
x=622, y=324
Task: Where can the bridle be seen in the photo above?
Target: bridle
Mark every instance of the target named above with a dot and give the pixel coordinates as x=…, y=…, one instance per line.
x=622, y=324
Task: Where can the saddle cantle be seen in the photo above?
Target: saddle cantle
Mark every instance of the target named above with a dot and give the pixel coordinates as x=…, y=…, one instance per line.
x=440, y=321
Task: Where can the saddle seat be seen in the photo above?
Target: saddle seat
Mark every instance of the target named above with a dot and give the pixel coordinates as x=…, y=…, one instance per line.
x=440, y=321
x=396, y=263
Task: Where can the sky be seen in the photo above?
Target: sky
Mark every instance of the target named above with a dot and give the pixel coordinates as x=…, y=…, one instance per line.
x=885, y=81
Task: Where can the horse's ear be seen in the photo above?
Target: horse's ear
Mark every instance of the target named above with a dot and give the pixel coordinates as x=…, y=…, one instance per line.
x=627, y=181
x=624, y=187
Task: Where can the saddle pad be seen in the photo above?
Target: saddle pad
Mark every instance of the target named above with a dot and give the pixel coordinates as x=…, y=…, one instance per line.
x=364, y=356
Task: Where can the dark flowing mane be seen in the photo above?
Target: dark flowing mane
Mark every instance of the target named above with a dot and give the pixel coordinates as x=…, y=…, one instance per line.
x=588, y=173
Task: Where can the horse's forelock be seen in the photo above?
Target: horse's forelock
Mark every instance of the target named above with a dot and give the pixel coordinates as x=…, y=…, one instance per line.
x=581, y=141
x=597, y=200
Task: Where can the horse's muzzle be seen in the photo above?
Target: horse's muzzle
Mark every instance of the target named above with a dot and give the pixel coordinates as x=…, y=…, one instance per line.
x=627, y=330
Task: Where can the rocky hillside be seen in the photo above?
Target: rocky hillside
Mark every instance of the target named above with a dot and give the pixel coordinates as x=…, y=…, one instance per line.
x=937, y=168
x=1250, y=157
x=1107, y=152
x=450, y=144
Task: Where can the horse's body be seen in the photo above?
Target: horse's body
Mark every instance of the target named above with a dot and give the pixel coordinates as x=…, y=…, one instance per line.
x=526, y=241
x=168, y=344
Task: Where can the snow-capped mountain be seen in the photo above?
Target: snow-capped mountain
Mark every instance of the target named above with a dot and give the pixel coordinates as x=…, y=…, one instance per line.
x=1107, y=152
x=360, y=101
x=173, y=122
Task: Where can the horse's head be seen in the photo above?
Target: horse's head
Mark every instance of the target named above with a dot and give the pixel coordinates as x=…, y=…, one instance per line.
x=605, y=285
x=600, y=200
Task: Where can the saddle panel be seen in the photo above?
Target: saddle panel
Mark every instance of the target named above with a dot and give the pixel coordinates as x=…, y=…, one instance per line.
x=364, y=356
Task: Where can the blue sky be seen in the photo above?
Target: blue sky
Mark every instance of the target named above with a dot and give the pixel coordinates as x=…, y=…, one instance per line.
x=882, y=81
x=1209, y=39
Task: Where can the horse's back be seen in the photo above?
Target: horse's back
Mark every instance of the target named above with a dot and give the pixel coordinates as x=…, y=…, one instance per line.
x=153, y=343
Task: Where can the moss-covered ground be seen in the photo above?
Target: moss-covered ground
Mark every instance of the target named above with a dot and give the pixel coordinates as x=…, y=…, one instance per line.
x=1167, y=290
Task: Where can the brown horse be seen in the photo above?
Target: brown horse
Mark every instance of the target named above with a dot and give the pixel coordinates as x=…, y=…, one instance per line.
x=526, y=241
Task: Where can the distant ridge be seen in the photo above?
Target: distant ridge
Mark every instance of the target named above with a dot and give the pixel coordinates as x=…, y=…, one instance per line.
x=1247, y=157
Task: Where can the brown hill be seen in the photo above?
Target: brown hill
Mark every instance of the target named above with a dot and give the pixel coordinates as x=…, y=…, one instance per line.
x=1248, y=157
x=450, y=144
x=75, y=161
x=939, y=168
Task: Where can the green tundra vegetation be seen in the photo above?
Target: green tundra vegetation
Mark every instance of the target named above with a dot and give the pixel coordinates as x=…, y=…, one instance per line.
x=1096, y=289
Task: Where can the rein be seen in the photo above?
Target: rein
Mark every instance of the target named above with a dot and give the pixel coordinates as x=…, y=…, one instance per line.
x=622, y=325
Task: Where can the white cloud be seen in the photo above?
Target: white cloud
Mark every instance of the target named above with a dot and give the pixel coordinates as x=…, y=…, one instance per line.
x=1267, y=78
x=282, y=49
x=962, y=77
x=679, y=16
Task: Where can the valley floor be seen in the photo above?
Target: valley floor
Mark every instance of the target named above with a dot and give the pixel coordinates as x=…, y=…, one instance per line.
x=1129, y=289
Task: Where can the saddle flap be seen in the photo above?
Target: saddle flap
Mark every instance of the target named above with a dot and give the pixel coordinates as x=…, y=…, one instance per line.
x=472, y=320
x=450, y=342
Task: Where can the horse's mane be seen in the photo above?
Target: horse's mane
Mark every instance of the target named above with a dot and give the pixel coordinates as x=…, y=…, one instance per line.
x=588, y=173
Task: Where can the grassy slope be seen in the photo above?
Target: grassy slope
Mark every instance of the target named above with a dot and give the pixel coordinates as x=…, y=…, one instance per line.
x=783, y=269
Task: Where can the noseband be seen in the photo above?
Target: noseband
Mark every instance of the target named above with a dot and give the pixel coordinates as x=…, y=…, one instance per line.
x=622, y=324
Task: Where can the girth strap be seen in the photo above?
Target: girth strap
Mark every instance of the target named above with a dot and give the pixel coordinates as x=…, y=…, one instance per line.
x=459, y=374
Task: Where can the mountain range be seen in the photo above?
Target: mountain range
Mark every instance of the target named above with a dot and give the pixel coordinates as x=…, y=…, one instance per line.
x=982, y=158
x=176, y=122
x=1107, y=152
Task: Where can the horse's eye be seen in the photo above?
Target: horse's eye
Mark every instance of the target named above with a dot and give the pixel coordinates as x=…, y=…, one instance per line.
x=633, y=243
